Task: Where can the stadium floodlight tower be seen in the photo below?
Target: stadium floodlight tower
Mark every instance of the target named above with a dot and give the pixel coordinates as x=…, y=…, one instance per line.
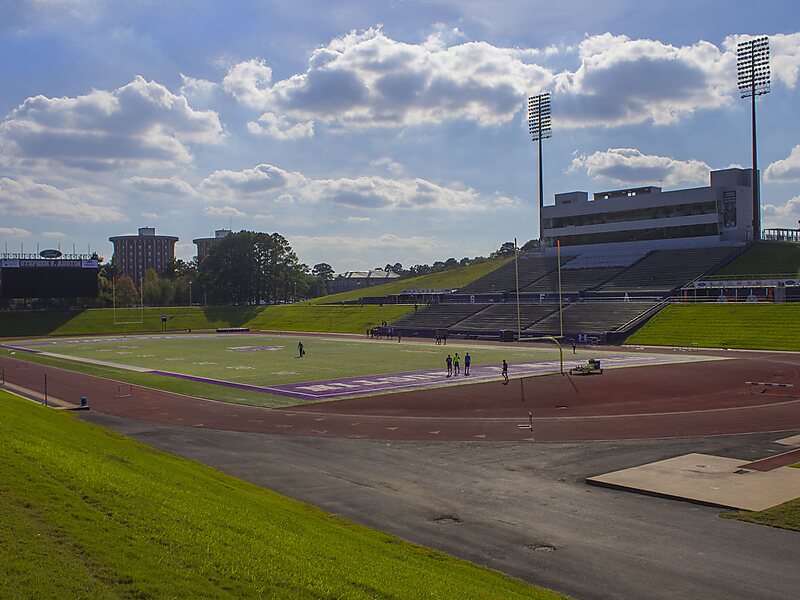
x=539, y=129
x=754, y=79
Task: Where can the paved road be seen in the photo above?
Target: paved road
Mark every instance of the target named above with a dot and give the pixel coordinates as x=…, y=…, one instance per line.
x=522, y=508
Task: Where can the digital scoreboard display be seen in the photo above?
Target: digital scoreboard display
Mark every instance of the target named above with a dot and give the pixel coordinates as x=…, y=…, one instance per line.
x=42, y=278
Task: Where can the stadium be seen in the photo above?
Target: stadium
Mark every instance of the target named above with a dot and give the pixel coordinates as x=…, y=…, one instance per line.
x=611, y=410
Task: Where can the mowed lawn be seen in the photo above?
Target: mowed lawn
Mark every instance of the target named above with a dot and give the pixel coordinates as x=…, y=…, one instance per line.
x=724, y=325
x=262, y=359
x=87, y=513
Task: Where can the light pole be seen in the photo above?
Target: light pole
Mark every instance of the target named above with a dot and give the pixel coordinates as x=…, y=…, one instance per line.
x=539, y=129
x=190, y=293
x=752, y=64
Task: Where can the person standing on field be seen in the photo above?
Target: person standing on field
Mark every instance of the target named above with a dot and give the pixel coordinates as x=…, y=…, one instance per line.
x=301, y=352
x=449, y=362
x=467, y=361
x=505, y=372
x=456, y=364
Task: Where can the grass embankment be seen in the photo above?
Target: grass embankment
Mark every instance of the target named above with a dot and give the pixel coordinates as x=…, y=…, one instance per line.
x=450, y=279
x=785, y=516
x=723, y=325
x=88, y=513
x=288, y=317
x=766, y=258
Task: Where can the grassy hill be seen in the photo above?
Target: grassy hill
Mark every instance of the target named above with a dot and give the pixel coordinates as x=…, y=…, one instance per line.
x=87, y=513
x=288, y=317
x=766, y=258
x=724, y=325
x=452, y=278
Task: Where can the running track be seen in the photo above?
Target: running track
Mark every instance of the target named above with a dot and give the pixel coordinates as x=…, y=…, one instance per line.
x=673, y=400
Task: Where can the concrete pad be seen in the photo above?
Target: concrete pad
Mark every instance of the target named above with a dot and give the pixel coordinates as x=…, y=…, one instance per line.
x=710, y=480
x=790, y=441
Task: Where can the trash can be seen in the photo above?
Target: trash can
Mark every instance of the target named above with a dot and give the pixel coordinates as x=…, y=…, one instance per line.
x=84, y=402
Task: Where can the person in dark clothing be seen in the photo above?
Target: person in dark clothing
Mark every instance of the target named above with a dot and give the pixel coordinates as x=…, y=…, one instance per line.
x=467, y=361
x=301, y=352
x=449, y=362
x=505, y=372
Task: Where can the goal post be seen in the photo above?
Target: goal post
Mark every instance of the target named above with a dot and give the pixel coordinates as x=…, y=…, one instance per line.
x=125, y=315
x=548, y=338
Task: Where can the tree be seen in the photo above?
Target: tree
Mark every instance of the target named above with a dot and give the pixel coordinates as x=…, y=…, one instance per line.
x=507, y=249
x=251, y=268
x=125, y=293
x=323, y=270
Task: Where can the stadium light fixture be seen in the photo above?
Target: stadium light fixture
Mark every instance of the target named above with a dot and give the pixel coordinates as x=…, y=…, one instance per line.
x=752, y=63
x=539, y=127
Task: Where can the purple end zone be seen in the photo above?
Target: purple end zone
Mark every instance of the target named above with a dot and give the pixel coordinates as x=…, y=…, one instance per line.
x=374, y=384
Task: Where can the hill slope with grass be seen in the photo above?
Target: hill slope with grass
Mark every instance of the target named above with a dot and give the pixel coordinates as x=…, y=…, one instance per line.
x=87, y=513
x=287, y=317
x=723, y=325
x=766, y=258
x=450, y=279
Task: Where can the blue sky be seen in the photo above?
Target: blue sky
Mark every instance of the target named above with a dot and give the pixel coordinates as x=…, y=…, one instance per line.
x=367, y=132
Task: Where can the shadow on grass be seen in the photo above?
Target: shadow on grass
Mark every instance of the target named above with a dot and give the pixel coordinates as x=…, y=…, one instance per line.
x=231, y=316
x=34, y=322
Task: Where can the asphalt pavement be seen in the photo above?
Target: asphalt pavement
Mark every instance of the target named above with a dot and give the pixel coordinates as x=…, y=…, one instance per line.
x=521, y=508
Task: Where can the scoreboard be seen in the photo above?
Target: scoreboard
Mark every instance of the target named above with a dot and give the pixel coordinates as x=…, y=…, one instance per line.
x=46, y=278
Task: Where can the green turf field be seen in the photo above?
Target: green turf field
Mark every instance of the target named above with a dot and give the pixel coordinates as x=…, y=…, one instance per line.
x=261, y=359
x=87, y=513
x=766, y=258
x=723, y=325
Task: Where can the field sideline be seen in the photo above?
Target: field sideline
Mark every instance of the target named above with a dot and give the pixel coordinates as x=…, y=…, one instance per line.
x=220, y=366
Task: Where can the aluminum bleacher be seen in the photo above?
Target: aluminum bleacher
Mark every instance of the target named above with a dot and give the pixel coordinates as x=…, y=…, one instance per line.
x=500, y=317
x=591, y=317
x=664, y=270
x=573, y=280
x=504, y=278
x=438, y=316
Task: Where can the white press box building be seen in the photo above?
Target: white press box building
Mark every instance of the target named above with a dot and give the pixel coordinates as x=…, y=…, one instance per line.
x=647, y=217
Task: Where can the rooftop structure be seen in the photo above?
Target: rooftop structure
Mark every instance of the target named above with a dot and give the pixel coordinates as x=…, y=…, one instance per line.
x=204, y=244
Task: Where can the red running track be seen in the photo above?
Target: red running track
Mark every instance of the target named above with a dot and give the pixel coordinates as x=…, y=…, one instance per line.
x=680, y=400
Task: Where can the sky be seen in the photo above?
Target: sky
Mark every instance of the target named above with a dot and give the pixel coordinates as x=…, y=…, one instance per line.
x=367, y=132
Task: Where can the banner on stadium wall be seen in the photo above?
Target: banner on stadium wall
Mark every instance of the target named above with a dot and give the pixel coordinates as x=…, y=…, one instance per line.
x=17, y=263
x=743, y=283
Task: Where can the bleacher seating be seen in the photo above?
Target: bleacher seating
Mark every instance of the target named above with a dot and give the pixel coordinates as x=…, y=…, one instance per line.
x=504, y=279
x=573, y=280
x=664, y=270
x=504, y=317
x=591, y=317
x=438, y=316
x=623, y=258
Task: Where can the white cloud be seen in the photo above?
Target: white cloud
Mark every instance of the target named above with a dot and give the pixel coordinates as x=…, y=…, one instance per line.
x=172, y=186
x=623, y=81
x=223, y=211
x=24, y=196
x=139, y=124
x=781, y=215
x=387, y=241
x=391, y=165
x=280, y=127
x=786, y=170
x=271, y=183
x=357, y=219
x=366, y=79
x=256, y=181
x=14, y=232
x=53, y=234
x=629, y=166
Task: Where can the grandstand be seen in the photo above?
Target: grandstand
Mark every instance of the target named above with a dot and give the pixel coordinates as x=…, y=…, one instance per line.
x=503, y=316
x=438, y=316
x=594, y=318
x=504, y=279
x=573, y=280
x=665, y=270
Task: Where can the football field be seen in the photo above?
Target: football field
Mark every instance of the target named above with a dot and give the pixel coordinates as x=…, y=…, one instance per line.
x=267, y=370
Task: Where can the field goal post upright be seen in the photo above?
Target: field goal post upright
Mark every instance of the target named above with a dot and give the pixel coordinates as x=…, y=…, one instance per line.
x=555, y=340
x=117, y=320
